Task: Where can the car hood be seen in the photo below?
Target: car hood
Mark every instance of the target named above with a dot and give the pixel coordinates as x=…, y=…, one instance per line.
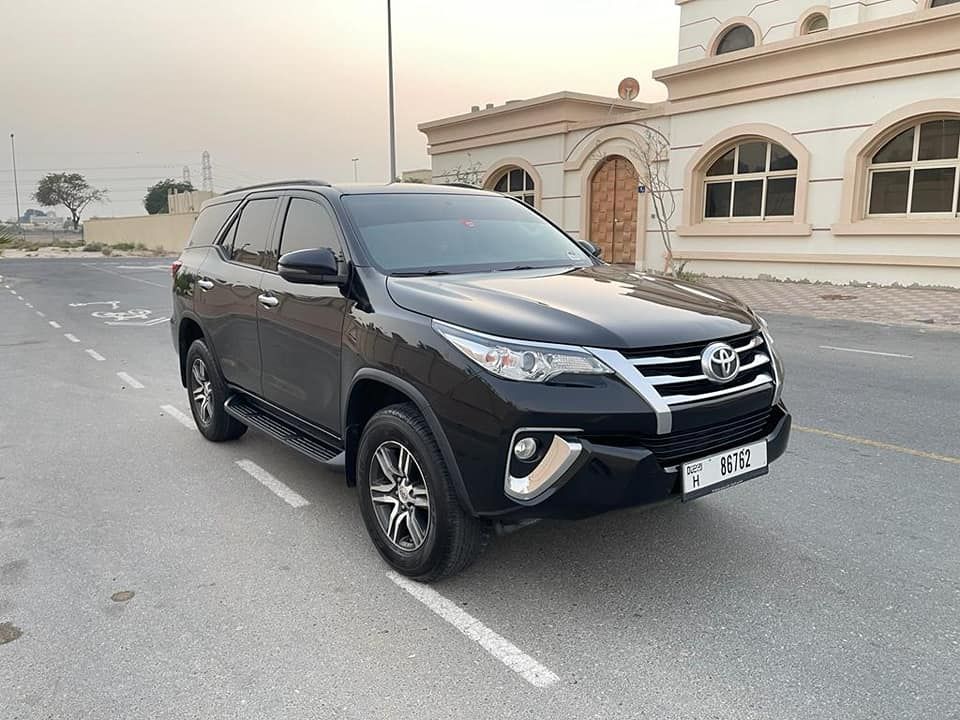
x=598, y=306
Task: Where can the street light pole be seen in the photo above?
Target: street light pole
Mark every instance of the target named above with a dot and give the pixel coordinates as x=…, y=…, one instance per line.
x=356, y=172
x=393, y=132
x=16, y=189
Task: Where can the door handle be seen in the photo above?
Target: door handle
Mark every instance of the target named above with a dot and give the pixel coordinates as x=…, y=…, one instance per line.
x=205, y=284
x=268, y=301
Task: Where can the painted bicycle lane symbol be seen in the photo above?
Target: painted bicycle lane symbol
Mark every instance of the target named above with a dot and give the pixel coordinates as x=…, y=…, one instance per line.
x=116, y=317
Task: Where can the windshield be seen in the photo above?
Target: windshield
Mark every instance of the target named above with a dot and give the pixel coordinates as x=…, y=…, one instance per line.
x=407, y=233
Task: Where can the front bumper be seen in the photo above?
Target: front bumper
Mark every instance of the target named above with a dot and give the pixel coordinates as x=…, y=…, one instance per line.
x=611, y=476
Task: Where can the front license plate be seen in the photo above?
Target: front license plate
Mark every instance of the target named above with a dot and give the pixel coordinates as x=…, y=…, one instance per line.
x=712, y=473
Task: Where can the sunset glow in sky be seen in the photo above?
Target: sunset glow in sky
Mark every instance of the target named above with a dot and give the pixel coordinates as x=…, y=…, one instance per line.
x=127, y=93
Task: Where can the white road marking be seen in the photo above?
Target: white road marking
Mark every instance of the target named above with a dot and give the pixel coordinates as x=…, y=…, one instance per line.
x=54, y=324
x=114, y=304
x=71, y=337
x=12, y=292
x=140, y=280
x=865, y=352
x=94, y=354
x=41, y=314
x=19, y=297
x=184, y=420
x=289, y=496
x=148, y=323
x=29, y=306
x=130, y=380
x=498, y=646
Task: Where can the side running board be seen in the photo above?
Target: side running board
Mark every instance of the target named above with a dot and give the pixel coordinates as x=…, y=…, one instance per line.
x=251, y=415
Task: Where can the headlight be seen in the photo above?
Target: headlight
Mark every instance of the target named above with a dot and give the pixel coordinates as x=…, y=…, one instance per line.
x=519, y=360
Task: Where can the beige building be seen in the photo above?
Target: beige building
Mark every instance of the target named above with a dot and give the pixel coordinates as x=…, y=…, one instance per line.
x=801, y=141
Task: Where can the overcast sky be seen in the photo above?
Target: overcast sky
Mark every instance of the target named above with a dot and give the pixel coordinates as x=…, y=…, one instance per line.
x=129, y=92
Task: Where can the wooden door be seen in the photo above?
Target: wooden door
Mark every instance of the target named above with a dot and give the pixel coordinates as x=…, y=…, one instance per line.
x=613, y=210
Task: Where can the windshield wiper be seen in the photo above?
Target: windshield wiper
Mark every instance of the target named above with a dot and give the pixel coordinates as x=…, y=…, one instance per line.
x=516, y=267
x=419, y=273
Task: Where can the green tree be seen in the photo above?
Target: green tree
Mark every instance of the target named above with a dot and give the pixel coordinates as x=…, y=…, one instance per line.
x=155, y=201
x=70, y=190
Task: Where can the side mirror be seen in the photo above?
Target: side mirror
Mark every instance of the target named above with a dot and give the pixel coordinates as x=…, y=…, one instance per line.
x=310, y=267
x=590, y=248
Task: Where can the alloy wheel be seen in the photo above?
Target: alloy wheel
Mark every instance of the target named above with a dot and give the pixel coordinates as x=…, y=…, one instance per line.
x=399, y=493
x=201, y=391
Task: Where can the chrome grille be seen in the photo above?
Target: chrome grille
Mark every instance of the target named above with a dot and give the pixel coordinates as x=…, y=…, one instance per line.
x=676, y=375
x=671, y=377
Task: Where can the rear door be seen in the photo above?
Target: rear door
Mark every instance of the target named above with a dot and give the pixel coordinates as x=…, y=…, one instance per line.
x=300, y=325
x=229, y=283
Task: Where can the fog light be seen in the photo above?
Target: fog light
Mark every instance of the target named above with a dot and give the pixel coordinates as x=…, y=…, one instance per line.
x=525, y=449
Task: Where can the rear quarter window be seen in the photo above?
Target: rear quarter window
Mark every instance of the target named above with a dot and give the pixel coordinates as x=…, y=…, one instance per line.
x=209, y=222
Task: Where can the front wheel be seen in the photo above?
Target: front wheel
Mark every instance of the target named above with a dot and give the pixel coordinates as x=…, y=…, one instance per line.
x=407, y=499
x=208, y=392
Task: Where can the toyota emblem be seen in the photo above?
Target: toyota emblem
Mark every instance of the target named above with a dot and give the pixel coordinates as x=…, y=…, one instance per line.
x=720, y=362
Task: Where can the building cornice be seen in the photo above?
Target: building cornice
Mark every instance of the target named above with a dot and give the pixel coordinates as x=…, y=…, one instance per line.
x=909, y=44
x=537, y=117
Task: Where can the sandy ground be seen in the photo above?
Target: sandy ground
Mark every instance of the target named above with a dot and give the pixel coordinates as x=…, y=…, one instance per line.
x=59, y=252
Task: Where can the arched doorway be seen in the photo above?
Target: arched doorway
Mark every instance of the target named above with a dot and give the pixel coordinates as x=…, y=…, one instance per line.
x=613, y=209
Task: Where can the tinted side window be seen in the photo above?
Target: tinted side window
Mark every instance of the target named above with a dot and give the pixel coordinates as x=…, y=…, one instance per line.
x=209, y=222
x=252, y=232
x=308, y=225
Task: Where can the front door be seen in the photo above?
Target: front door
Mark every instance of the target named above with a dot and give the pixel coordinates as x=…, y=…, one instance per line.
x=229, y=282
x=613, y=210
x=300, y=325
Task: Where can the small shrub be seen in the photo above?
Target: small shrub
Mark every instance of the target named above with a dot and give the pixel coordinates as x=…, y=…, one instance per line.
x=107, y=250
x=140, y=246
x=124, y=246
x=93, y=247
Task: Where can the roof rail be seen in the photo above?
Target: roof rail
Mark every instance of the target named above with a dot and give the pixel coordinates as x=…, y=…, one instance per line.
x=278, y=183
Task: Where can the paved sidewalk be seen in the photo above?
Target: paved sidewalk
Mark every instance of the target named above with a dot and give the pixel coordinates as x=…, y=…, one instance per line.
x=939, y=309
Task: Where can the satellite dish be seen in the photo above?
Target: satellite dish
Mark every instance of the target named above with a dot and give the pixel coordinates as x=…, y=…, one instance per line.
x=628, y=88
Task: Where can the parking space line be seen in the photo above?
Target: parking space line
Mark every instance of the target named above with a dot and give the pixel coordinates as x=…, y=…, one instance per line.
x=30, y=306
x=865, y=352
x=20, y=297
x=180, y=417
x=291, y=497
x=54, y=324
x=71, y=337
x=130, y=380
x=498, y=646
x=94, y=354
x=878, y=444
x=41, y=314
x=135, y=279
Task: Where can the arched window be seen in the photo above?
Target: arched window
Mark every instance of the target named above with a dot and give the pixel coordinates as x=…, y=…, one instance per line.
x=755, y=180
x=739, y=37
x=917, y=171
x=941, y=3
x=817, y=22
x=517, y=183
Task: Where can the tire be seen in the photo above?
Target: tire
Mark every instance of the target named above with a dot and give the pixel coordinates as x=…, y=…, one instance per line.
x=207, y=391
x=418, y=526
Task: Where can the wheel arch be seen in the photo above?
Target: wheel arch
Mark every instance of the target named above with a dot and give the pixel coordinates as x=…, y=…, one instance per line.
x=371, y=390
x=188, y=330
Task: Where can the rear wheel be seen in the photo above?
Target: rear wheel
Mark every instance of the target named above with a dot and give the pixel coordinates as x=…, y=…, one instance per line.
x=407, y=499
x=208, y=391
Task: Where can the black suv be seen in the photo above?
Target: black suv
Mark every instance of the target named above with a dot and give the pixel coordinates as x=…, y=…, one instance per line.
x=467, y=364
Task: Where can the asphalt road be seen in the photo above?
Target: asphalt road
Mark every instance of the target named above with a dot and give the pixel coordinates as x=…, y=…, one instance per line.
x=827, y=589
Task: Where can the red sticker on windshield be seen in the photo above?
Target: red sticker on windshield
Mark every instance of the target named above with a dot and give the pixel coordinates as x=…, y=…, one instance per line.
x=468, y=223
